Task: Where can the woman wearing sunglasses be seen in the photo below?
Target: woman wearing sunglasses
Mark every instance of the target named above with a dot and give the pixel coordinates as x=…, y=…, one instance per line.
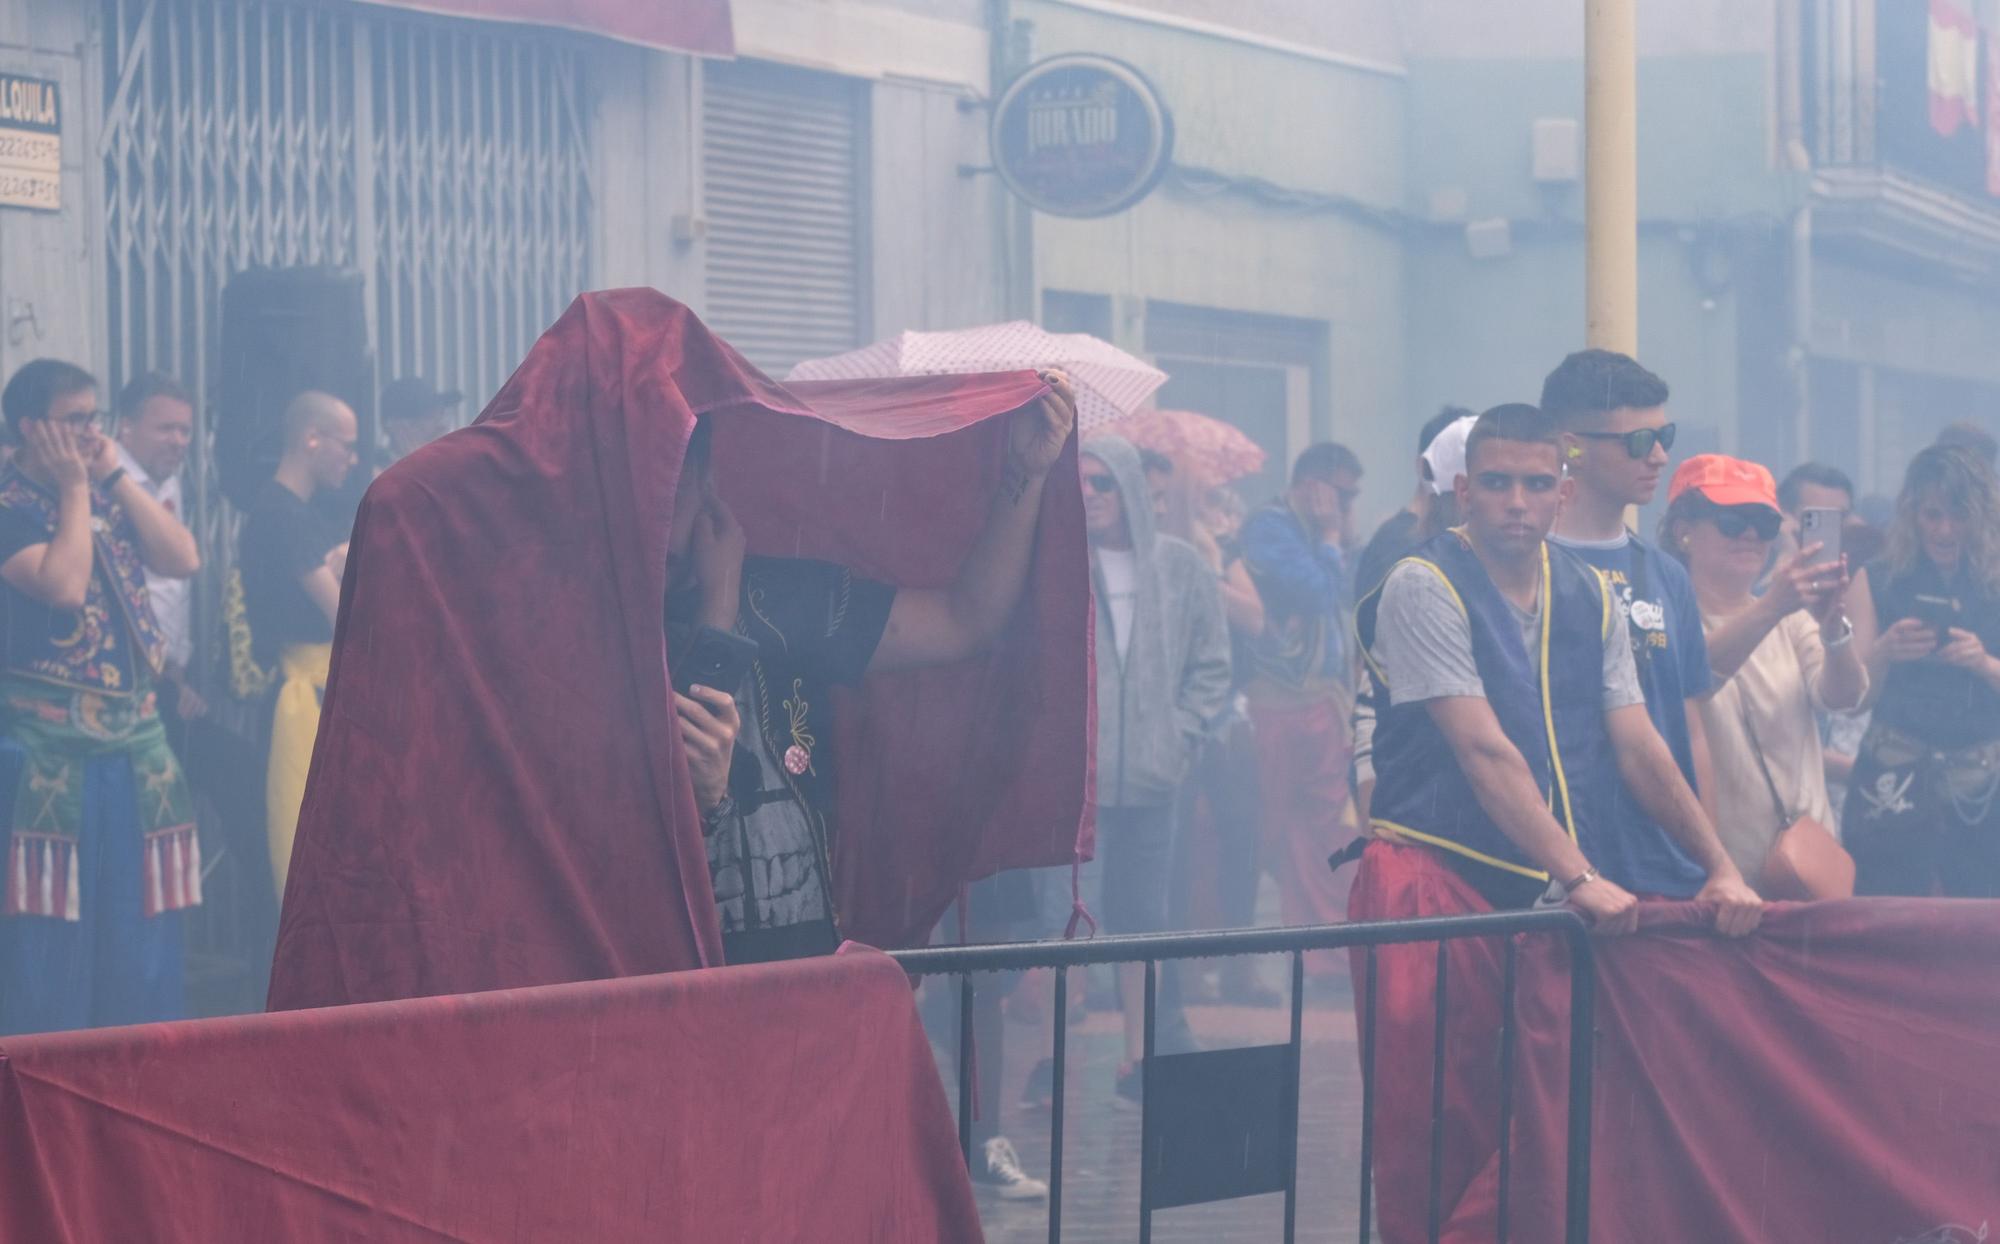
x=1921, y=817
x=1782, y=654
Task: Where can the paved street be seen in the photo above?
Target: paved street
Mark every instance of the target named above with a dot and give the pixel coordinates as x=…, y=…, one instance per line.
x=1101, y=1188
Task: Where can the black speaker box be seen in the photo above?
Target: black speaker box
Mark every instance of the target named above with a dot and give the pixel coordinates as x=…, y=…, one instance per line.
x=284, y=331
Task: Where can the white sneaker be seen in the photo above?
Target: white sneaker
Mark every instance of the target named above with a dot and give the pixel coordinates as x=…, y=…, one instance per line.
x=1004, y=1175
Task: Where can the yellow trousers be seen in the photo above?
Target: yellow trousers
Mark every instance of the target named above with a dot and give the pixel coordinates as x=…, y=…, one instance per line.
x=294, y=726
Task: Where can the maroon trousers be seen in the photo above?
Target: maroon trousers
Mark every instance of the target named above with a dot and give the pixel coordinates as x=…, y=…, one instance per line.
x=1400, y=882
x=1302, y=753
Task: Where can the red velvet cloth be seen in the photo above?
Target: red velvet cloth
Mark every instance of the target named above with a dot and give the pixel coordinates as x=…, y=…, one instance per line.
x=920, y=755
x=784, y=1102
x=1829, y=1080
x=701, y=26
x=498, y=795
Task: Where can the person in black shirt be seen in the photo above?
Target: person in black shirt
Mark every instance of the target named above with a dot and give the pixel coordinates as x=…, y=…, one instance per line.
x=291, y=561
x=765, y=792
x=1921, y=815
x=1403, y=530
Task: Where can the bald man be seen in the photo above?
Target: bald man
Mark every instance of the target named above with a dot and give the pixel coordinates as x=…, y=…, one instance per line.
x=291, y=561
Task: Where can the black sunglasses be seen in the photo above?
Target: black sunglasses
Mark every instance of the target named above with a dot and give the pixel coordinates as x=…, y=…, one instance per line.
x=1101, y=483
x=1638, y=444
x=1733, y=521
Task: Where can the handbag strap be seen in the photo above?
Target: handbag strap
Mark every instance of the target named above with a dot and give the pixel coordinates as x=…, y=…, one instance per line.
x=1757, y=749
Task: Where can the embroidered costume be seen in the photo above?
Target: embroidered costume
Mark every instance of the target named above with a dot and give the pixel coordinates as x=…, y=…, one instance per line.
x=102, y=847
x=769, y=855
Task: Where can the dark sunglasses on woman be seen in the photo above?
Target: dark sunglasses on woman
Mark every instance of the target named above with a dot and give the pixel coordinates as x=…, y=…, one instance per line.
x=1101, y=483
x=1733, y=521
x=1637, y=444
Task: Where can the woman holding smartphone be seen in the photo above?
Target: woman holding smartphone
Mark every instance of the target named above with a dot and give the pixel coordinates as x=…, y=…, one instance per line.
x=1921, y=817
x=1776, y=657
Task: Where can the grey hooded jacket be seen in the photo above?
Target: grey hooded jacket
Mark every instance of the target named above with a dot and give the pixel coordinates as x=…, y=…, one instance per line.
x=1154, y=706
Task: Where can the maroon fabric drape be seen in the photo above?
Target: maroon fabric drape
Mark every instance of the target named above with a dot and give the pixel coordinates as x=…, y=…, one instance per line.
x=498, y=795
x=1830, y=1080
x=701, y=26
x=781, y=1102
x=922, y=754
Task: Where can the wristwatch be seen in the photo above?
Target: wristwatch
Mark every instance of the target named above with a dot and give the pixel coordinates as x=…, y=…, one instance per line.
x=712, y=819
x=1579, y=881
x=1846, y=634
x=111, y=481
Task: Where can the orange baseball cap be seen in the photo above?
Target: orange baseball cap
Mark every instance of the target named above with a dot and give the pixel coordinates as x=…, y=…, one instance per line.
x=1725, y=481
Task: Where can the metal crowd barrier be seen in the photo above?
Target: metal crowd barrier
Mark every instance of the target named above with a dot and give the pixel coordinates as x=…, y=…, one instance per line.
x=1152, y=949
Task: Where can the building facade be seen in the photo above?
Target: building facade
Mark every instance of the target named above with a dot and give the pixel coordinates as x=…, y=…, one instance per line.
x=1817, y=262
x=1374, y=206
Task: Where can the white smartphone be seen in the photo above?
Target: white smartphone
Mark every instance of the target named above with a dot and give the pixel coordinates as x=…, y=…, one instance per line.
x=1821, y=525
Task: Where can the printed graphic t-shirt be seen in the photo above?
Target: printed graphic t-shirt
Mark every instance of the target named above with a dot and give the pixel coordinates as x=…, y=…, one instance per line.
x=1657, y=601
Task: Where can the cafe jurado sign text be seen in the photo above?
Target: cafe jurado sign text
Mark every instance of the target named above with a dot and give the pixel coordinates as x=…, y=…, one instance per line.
x=1082, y=136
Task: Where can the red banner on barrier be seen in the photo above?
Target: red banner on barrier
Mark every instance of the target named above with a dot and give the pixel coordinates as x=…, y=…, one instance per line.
x=795, y=1101
x=1829, y=1079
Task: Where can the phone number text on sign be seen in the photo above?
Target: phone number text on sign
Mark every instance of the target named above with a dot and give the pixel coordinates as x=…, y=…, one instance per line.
x=30, y=143
x=41, y=191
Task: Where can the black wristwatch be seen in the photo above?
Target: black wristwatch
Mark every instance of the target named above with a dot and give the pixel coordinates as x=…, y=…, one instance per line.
x=712, y=819
x=111, y=481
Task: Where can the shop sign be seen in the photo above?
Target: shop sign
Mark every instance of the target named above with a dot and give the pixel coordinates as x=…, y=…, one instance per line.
x=30, y=144
x=1082, y=136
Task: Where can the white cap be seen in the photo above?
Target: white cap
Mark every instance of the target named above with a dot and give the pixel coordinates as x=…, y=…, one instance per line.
x=1446, y=454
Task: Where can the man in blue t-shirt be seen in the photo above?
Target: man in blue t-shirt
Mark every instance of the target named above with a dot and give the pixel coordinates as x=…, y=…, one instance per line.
x=1616, y=436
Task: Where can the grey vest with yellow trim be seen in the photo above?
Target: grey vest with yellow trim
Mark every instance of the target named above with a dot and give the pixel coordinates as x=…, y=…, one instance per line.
x=1554, y=717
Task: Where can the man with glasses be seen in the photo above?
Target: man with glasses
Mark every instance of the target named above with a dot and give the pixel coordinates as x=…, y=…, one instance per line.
x=1616, y=435
x=1301, y=697
x=101, y=853
x=291, y=561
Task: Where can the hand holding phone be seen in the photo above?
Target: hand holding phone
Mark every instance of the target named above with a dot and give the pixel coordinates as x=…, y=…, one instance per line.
x=716, y=659
x=1821, y=525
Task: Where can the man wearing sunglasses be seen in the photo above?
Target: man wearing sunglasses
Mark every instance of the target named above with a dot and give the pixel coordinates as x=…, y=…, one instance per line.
x=1616, y=435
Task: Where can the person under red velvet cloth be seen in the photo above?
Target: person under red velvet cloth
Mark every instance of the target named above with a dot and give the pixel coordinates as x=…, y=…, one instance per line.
x=764, y=793
x=1496, y=763
x=502, y=793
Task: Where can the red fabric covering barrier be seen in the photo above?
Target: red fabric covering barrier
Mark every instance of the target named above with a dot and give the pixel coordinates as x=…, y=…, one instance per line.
x=786, y=1102
x=1830, y=1080
x=701, y=26
x=498, y=794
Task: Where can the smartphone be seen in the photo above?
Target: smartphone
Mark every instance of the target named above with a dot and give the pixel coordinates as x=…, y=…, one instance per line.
x=1821, y=525
x=1940, y=613
x=718, y=660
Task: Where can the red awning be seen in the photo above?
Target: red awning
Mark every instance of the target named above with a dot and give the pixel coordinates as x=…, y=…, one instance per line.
x=700, y=26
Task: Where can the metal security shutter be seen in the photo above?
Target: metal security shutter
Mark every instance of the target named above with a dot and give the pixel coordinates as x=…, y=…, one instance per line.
x=448, y=159
x=780, y=158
